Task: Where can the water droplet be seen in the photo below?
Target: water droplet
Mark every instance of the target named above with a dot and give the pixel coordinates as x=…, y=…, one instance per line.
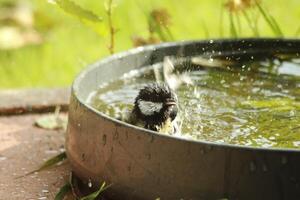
x=296, y=143
x=264, y=168
x=283, y=160
x=151, y=138
x=202, y=151
x=90, y=183
x=292, y=113
x=104, y=139
x=209, y=148
x=211, y=41
x=272, y=138
x=129, y=168
x=252, y=166
x=149, y=156
x=116, y=135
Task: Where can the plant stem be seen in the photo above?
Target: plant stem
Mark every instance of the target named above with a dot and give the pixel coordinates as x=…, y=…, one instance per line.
x=233, y=30
x=112, y=30
x=221, y=21
x=238, y=21
x=270, y=20
x=251, y=25
x=297, y=32
x=205, y=29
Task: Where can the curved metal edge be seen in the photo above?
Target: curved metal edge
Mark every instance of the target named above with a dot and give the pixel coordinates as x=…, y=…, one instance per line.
x=82, y=74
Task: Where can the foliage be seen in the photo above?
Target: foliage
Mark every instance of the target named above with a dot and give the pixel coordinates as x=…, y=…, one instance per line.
x=49, y=163
x=66, y=46
x=63, y=191
x=95, y=194
x=68, y=187
x=53, y=121
x=85, y=16
x=237, y=7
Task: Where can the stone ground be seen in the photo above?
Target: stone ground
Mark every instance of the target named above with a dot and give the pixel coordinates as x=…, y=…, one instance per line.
x=24, y=147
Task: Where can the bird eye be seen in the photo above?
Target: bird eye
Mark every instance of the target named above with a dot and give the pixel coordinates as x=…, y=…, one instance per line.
x=173, y=112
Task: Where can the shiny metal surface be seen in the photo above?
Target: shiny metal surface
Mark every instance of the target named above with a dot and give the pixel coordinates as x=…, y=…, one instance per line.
x=142, y=164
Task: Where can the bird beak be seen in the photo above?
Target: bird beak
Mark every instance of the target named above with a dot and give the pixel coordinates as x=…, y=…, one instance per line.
x=170, y=102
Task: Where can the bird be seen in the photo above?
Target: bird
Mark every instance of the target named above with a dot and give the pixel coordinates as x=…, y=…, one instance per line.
x=155, y=108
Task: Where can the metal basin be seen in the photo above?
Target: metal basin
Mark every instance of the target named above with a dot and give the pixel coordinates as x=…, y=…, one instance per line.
x=142, y=164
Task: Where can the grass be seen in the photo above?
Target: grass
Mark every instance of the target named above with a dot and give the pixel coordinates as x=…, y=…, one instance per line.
x=70, y=46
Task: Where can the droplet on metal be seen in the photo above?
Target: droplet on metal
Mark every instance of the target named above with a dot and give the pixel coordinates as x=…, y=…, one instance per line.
x=209, y=148
x=283, y=160
x=129, y=168
x=252, y=166
x=104, y=139
x=116, y=135
x=151, y=138
x=90, y=183
x=264, y=168
x=202, y=151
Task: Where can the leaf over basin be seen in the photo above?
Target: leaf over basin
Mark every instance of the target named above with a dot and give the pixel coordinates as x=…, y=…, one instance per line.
x=87, y=17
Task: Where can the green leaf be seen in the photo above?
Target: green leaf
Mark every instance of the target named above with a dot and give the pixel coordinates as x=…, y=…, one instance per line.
x=53, y=161
x=63, y=191
x=48, y=163
x=74, y=9
x=85, y=16
x=52, y=122
x=95, y=194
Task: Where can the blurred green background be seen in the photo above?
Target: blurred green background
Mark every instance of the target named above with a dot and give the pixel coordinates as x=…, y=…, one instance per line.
x=57, y=46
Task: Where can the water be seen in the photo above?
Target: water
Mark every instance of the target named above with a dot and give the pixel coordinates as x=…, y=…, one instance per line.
x=251, y=103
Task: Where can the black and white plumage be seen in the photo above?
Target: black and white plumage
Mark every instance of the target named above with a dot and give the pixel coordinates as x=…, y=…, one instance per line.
x=155, y=108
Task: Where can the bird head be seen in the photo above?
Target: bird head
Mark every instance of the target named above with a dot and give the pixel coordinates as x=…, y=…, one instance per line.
x=155, y=105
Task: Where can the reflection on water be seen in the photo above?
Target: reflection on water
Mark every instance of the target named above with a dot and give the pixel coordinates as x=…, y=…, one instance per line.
x=252, y=103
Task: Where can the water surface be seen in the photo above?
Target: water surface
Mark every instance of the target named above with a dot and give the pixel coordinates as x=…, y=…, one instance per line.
x=251, y=103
